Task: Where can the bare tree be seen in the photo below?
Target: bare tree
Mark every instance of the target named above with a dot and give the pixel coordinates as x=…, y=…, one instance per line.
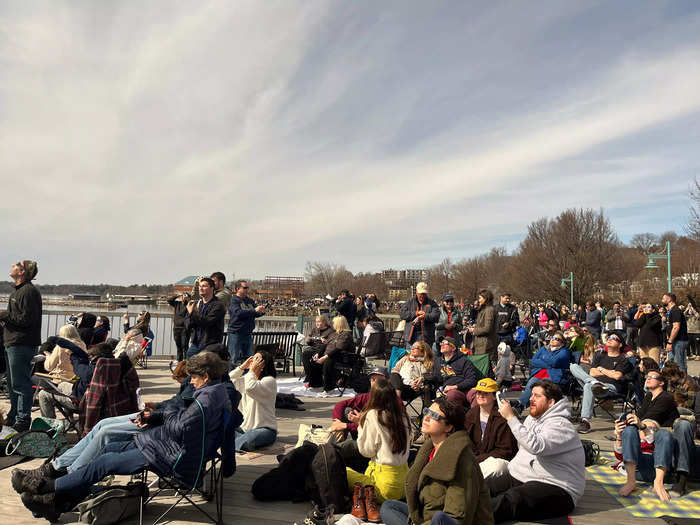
x=693, y=226
x=644, y=242
x=326, y=278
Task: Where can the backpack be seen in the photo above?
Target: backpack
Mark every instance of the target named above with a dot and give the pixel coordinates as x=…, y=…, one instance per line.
x=330, y=478
x=42, y=440
x=290, y=480
x=591, y=451
x=113, y=505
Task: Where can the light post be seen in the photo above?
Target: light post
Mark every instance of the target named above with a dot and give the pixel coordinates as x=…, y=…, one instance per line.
x=651, y=265
x=570, y=280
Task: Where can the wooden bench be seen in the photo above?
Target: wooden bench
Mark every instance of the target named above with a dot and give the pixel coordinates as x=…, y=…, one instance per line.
x=282, y=344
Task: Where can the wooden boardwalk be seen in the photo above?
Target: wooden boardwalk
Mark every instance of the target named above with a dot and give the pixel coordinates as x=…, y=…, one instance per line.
x=595, y=508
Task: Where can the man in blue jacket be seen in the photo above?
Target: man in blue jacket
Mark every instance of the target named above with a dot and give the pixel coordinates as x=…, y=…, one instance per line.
x=549, y=362
x=242, y=313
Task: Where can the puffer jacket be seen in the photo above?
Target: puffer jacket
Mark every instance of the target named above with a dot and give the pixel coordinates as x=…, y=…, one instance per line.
x=440, y=330
x=451, y=483
x=174, y=445
x=556, y=363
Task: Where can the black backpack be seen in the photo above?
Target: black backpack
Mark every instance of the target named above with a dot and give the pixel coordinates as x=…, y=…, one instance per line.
x=591, y=451
x=291, y=480
x=330, y=478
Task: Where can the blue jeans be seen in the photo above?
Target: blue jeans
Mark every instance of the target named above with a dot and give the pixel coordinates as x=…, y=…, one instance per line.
x=240, y=347
x=646, y=463
x=395, y=512
x=121, y=457
x=19, y=383
x=587, y=383
x=687, y=453
x=254, y=438
x=192, y=351
x=678, y=353
x=109, y=430
x=524, y=398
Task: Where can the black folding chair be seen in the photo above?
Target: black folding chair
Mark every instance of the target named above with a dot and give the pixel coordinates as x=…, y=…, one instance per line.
x=71, y=415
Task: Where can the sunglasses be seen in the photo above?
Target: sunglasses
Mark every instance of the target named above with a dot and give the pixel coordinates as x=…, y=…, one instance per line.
x=244, y=287
x=614, y=339
x=557, y=339
x=653, y=377
x=432, y=414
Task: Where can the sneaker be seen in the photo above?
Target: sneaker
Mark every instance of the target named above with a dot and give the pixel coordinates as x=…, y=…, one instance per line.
x=328, y=393
x=584, y=427
x=22, y=426
x=599, y=390
x=43, y=505
x=318, y=516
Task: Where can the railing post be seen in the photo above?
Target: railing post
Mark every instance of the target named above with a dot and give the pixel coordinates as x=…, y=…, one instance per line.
x=300, y=329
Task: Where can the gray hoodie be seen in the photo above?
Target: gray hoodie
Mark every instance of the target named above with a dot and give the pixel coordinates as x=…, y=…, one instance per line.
x=550, y=450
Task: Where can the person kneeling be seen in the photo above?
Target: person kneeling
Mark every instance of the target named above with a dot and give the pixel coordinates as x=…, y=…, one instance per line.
x=548, y=475
x=444, y=486
x=172, y=446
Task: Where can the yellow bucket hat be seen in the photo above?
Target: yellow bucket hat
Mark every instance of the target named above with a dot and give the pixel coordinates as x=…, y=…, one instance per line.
x=487, y=385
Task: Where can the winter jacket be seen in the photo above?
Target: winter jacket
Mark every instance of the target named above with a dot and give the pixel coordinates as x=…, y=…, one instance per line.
x=458, y=371
x=58, y=364
x=485, y=340
x=82, y=367
x=497, y=441
x=314, y=337
x=23, y=317
x=506, y=314
x=179, y=312
x=348, y=309
x=440, y=330
x=556, y=363
x=649, y=330
x=549, y=450
x=451, y=483
x=224, y=295
x=359, y=403
x=242, y=315
x=594, y=318
x=424, y=331
x=86, y=329
x=610, y=318
x=339, y=342
x=210, y=325
x=181, y=440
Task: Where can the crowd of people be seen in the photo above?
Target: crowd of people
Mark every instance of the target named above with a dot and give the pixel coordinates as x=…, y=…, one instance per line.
x=470, y=456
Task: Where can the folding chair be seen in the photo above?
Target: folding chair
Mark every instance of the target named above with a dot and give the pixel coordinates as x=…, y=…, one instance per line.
x=211, y=478
x=69, y=414
x=482, y=364
x=348, y=366
x=626, y=397
x=144, y=352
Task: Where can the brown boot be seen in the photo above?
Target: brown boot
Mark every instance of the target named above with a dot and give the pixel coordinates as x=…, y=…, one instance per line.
x=373, y=515
x=358, y=502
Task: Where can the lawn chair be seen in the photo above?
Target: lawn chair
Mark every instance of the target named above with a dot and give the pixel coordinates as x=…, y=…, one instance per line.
x=145, y=351
x=70, y=415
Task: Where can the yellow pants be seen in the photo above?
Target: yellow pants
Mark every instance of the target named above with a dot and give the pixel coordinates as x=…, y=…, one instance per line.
x=389, y=481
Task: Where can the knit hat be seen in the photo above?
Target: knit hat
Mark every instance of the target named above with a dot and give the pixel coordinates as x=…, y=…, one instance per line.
x=30, y=269
x=448, y=297
x=486, y=385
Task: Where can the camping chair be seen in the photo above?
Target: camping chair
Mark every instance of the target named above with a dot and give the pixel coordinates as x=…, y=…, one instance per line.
x=145, y=351
x=482, y=364
x=348, y=367
x=209, y=483
x=70, y=415
x=626, y=398
x=374, y=345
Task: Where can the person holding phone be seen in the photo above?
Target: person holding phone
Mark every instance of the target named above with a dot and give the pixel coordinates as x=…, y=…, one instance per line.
x=658, y=405
x=650, y=337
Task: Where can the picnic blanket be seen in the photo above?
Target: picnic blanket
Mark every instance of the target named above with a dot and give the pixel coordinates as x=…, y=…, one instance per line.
x=642, y=503
x=293, y=385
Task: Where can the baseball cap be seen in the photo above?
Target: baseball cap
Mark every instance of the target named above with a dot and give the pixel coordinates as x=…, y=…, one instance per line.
x=381, y=370
x=421, y=288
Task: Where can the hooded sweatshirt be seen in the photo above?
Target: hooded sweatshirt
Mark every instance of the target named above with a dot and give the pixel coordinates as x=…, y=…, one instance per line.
x=550, y=450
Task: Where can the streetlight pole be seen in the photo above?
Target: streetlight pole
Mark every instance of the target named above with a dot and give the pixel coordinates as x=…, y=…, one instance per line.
x=569, y=280
x=651, y=265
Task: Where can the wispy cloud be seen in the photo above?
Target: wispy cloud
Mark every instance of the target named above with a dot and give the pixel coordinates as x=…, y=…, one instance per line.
x=139, y=143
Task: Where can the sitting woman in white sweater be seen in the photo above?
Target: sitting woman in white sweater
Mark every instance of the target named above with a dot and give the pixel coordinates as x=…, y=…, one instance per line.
x=383, y=435
x=258, y=389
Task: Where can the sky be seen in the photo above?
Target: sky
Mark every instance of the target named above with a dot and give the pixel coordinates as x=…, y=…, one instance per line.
x=141, y=142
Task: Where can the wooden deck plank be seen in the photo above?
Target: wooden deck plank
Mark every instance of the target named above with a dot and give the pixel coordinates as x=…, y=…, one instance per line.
x=595, y=508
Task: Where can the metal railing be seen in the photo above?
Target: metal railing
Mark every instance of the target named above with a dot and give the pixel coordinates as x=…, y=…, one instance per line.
x=162, y=326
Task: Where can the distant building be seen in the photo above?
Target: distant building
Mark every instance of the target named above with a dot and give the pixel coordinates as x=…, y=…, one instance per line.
x=276, y=284
x=85, y=296
x=185, y=285
x=403, y=278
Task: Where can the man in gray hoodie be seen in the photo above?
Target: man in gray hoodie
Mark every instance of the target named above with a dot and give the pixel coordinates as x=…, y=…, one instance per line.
x=547, y=476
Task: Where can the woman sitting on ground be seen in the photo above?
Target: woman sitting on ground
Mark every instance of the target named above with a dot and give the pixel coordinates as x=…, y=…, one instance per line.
x=130, y=344
x=258, y=388
x=407, y=374
x=444, y=485
x=383, y=435
x=171, y=445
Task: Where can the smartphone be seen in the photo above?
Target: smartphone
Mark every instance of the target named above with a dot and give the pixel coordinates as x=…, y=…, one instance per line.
x=499, y=398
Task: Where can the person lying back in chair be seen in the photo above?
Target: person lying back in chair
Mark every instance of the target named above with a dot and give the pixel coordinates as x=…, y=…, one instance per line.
x=171, y=445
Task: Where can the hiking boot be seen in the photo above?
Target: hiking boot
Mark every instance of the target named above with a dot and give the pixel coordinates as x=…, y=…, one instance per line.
x=22, y=426
x=20, y=477
x=43, y=505
x=358, y=502
x=371, y=507
x=584, y=427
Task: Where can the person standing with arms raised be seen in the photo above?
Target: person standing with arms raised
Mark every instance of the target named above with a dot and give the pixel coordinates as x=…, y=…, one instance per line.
x=22, y=335
x=242, y=314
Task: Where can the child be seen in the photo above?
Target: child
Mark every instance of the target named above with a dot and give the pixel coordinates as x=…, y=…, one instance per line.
x=502, y=368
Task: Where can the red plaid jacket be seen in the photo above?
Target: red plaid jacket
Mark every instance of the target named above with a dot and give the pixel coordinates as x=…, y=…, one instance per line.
x=109, y=394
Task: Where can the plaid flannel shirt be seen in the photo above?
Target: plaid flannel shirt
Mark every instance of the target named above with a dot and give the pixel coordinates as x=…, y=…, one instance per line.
x=109, y=394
